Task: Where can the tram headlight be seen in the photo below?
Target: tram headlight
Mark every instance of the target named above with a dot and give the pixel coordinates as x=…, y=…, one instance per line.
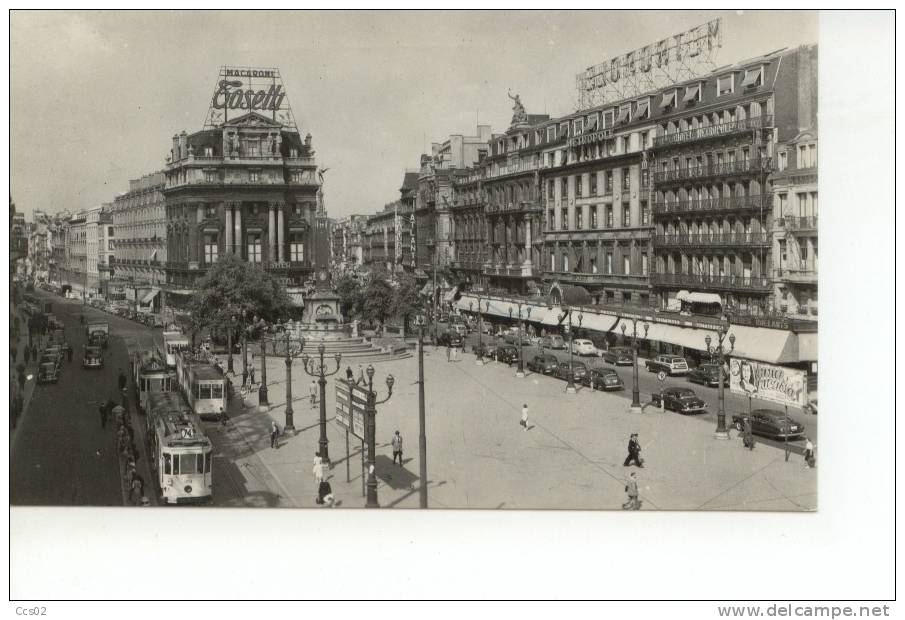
x=188, y=489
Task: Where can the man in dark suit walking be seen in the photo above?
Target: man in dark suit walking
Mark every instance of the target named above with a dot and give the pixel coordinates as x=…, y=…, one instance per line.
x=634, y=452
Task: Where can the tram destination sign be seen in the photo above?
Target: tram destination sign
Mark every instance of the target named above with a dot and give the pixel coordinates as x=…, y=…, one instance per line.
x=351, y=402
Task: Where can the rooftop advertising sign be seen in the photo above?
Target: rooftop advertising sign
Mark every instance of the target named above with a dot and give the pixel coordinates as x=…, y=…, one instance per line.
x=240, y=90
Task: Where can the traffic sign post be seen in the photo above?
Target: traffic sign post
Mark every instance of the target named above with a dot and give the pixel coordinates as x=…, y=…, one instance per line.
x=661, y=376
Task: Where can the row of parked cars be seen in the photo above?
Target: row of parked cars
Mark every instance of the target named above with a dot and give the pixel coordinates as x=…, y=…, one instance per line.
x=122, y=309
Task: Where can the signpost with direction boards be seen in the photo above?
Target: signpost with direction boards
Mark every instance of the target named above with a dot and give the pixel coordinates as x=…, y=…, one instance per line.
x=351, y=405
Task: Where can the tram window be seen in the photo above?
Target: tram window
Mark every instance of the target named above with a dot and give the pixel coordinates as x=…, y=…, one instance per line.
x=207, y=463
x=166, y=463
x=204, y=390
x=199, y=463
x=175, y=464
x=217, y=390
x=187, y=463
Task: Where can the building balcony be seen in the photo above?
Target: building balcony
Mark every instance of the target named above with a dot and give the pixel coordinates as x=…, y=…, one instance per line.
x=714, y=131
x=524, y=271
x=742, y=239
x=607, y=279
x=713, y=205
x=744, y=167
x=799, y=224
x=512, y=207
x=750, y=284
x=807, y=275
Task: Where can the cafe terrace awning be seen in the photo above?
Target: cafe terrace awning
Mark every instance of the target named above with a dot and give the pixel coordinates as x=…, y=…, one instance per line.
x=149, y=296
x=500, y=308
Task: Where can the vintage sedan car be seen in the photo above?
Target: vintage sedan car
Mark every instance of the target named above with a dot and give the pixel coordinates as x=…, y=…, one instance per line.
x=670, y=364
x=603, y=379
x=770, y=423
x=506, y=353
x=94, y=357
x=52, y=358
x=553, y=341
x=48, y=372
x=460, y=328
x=619, y=356
x=582, y=346
x=579, y=370
x=681, y=400
x=545, y=364
x=707, y=374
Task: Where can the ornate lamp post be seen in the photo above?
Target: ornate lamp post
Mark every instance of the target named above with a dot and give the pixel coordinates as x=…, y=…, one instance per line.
x=262, y=391
x=422, y=436
x=372, y=433
x=294, y=349
x=521, y=365
x=722, y=430
x=318, y=368
x=636, y=394
x=567, y=313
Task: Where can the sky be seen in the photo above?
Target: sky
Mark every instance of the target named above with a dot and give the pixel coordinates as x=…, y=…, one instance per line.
x=96, y=96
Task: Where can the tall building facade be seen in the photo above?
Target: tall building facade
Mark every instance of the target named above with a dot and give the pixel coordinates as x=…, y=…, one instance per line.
x=247, y=187
x=76, y=244
x=139, y=244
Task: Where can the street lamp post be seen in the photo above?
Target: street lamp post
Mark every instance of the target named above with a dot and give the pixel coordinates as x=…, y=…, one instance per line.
x=262, y=391
x=422, y=435
x=722, y=431
x=567, y=313
x=318, y=368
x=372, y=433
x=293, y=349
x=521, y=363
x=636, y=394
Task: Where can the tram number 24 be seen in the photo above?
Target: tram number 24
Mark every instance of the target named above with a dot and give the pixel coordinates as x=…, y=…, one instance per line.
x=31, y=611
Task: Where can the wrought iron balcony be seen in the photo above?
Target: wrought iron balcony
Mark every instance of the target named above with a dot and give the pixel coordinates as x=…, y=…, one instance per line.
x=616, y=279
x=807, y=275
x=713, y=239
x=755, y=284
x=714, y=131
x=799, y=224
x=744, y=167
x=730, y=203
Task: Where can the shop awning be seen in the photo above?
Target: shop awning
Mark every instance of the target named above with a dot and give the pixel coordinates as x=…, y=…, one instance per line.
x=451, y=294
x=501, y=307
x=149, y=296
x=750, y=78
x=699, y=298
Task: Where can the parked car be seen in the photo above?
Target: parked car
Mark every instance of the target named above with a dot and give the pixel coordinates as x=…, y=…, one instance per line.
x=681, y=400
x=670, y=364
x=460, y=328
x=513, y=339
x=619, y=356
x=770, y=423
x=486, y=327
x=553, y=341
x=707, y=374
x=52, y=358
x=583, y=347
x=507, y=353
x=48, y=372
x=603, y=379
x=545, y=364
x=94, y=357
x=449, y=339
x=579, y=370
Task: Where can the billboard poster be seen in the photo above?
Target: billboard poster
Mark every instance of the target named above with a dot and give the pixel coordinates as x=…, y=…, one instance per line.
x=777, y=384
x=351, y=402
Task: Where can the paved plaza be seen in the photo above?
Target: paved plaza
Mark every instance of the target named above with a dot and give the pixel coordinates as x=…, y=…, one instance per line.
x=479, y=457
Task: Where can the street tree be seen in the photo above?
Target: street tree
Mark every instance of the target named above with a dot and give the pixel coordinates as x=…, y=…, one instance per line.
x=351, y=297
x=406, y=299
x=232, y=286
x=377, y=301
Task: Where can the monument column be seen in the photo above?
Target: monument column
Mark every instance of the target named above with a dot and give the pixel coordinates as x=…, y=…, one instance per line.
x=281, y=228
x=271, y=233
x=228, y=225
x=237, y=220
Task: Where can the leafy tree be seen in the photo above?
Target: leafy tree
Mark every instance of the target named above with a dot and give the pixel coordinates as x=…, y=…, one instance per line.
x=230, y=286
x=377, y=301
x=406, y=299
x=351, y=297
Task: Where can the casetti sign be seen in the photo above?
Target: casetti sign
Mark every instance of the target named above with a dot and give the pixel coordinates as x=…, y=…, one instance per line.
x=232, y=94
x=240, y=90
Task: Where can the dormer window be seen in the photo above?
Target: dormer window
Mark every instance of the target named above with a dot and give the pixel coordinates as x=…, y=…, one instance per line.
x=692, y=94
x=668, y=102
x=551, y=133
x=564, y=130
x=579, y=126
x=592, y=123
x=293, y=152
x=753, y=78
x=642, y=109
x=608, y=117
x=725, y=85
x=625, y=114
x=208, y=151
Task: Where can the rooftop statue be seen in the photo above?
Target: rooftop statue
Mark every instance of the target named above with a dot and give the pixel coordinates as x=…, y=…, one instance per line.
x=518, y=110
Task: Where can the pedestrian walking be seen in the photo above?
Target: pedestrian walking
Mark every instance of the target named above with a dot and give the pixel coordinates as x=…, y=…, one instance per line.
x=524, y=420
x=350, y=376
x=631, y=488
x=397, y=448
x=244, y=376
x=318, y=470
x=325, y=494
x=121, y=380
x=274, y=434
x=361, y=375
x=103, y=411
x=448, y=352
x=634, y=452
x=809, y=453
x=312, y=392
x=135, y=492
x=251, y=374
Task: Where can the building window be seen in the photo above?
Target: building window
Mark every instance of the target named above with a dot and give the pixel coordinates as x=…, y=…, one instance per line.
x=252, y=148
x=593, y=264
x=608, y=117
x=642, y=109
x=579, y=186
x=210, y=249
x=550, y=190
x=579, y=126
x=783, y=203
x=608, y=182
x=210, y=211
x=208, y=151
x=609, y=216
x=644, y=267
x=625, y=179
x=609, y=262
x=725, y=85
x=210, y=176
x=551, y=134
x=645, y=214
x=626, y=265
x=565, y=262
x=564, y=188
x=578, y=218
x=296, y=248
x=753, y=78
x=550, y=225
x=592, y=181
x=109, y=231
x=783, y=256
x=254, y=247
x=783, y=160
x=813, y=151
x=626, y=215
x=253, y=176
x=594, y=216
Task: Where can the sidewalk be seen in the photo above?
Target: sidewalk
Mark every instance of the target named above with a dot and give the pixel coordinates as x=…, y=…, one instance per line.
x=478, y=456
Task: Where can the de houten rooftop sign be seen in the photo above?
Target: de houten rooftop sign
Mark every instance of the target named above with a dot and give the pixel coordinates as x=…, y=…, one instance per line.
x=240, y=90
